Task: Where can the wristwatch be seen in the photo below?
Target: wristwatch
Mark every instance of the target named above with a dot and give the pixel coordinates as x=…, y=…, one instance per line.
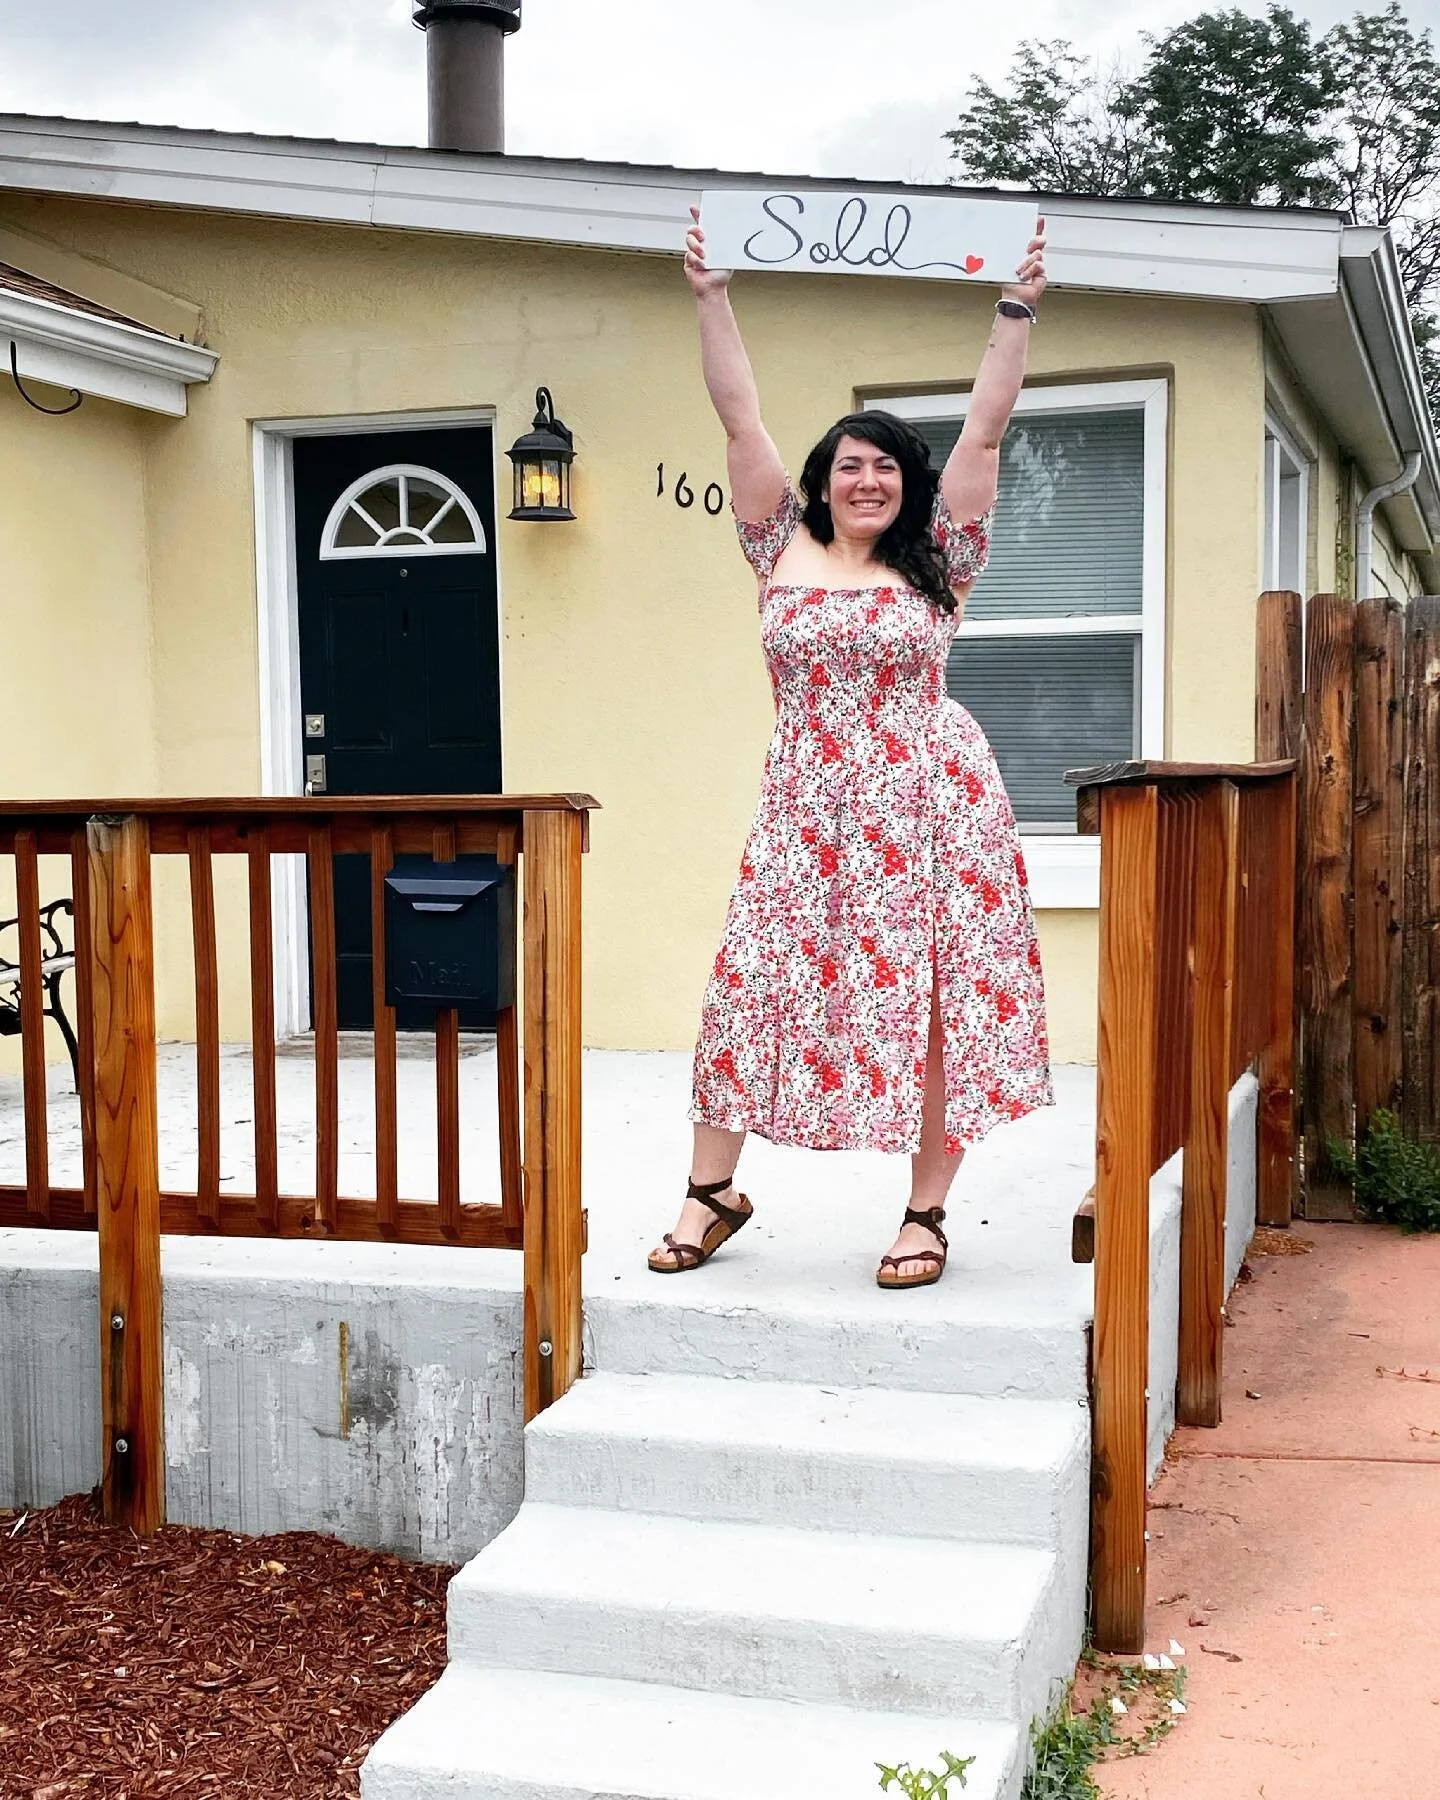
x=1016, y=309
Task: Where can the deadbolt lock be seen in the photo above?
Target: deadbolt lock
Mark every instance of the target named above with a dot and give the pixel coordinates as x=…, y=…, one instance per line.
x=314, y=725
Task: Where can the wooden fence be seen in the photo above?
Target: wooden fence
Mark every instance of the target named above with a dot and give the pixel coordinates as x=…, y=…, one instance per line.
x=1360, y=710
x=110, y=846
x=1196, y=985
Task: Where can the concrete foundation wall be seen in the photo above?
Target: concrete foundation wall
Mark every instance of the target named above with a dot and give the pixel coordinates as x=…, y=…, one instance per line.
x=1165, y=1257
x=407, y=1437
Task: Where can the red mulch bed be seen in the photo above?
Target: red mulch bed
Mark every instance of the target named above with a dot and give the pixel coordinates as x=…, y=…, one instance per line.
x=198, y=1663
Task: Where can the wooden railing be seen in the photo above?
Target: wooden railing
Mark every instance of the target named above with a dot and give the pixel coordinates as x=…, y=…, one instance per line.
x=109, y=846
x=1196, y=981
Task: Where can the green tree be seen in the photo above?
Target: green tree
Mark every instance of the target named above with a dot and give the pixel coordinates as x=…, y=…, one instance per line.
x=1244, y=112
x=1235, y=110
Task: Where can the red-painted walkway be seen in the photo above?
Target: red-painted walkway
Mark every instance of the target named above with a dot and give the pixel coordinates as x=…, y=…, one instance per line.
x=1295, y=1551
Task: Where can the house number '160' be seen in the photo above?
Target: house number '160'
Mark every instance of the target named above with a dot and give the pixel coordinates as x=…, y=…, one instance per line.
x=713, y=498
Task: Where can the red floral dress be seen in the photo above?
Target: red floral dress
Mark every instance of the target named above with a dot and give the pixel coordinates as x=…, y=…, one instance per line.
x=883, y=855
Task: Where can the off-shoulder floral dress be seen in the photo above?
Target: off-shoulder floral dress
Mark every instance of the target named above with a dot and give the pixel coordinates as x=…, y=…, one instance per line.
x=883, y=857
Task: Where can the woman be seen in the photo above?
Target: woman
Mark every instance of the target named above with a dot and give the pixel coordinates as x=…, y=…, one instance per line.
x=878, y=986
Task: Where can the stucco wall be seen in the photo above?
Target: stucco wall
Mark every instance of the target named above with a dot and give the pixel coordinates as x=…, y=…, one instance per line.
x=631, y=662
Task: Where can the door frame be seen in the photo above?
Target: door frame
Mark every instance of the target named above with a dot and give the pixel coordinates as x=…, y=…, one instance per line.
x=277, y=595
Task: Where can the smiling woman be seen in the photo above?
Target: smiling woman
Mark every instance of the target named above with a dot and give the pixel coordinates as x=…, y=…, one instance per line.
x=878, y=986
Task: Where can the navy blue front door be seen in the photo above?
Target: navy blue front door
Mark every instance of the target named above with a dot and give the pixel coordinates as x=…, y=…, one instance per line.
x=399, y=637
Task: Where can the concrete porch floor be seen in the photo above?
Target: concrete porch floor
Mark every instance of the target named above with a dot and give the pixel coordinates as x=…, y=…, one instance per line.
x=821, y=1220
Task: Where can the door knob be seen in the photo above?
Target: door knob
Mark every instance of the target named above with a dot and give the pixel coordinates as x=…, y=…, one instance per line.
x=314, y=774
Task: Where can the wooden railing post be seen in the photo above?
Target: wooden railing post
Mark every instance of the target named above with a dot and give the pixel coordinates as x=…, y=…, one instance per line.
x=1125, y=1112
x=554, y=1228
x=1207, y=1147
x=128, y=1160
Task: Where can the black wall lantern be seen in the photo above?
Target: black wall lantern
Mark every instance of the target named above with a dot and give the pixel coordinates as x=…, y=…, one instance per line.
x=542, y=460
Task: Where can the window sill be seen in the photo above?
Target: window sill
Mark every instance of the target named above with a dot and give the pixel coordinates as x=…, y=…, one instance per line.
x=1064, y=871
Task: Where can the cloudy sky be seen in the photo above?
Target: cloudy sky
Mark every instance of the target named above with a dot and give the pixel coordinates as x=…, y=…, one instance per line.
x=858, y=87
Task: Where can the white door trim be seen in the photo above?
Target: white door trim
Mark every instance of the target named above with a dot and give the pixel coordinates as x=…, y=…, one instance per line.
x=282, y=761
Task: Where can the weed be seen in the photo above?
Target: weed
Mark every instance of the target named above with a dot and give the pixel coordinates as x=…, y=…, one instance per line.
x=925, y=1784
x=1396, y=1180
x=1067, y=1745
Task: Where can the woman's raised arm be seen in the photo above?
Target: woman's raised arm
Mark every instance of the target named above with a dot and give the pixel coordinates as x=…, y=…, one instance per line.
x=971, y=475
x=757, y=475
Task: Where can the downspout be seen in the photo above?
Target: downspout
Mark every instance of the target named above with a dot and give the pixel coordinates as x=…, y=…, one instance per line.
x=1365, y=520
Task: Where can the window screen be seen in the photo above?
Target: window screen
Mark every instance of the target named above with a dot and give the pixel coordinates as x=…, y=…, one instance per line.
x=1048, y=704
x=1069, y=519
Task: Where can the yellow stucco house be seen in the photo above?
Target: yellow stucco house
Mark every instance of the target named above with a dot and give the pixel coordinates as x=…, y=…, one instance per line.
x=289, y=348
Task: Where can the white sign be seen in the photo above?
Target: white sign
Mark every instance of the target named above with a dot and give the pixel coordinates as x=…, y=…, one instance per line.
x=834, y=233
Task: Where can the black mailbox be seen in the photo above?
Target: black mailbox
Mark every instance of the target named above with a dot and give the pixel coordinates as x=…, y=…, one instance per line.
x=450, y=935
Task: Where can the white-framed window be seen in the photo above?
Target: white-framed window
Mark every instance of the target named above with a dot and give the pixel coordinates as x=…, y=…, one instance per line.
x=402, y=510
x=1061, y=654
x=1287, y=516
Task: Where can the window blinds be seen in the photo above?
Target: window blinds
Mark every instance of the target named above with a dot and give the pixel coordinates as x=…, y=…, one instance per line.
x=1048, y=704
x=1069, y=520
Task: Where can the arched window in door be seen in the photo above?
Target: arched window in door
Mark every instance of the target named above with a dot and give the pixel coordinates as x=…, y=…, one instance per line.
x=402, y=510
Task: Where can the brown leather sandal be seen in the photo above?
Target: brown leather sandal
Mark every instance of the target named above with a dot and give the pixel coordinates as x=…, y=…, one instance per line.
x=728, y=1220
x=888, y=1274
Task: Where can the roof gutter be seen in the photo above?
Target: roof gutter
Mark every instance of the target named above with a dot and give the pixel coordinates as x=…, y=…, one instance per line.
x=1370, y=276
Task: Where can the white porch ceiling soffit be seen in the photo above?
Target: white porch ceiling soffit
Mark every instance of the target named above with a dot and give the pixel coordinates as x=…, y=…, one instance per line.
x=1109, y=245
x=98, y=356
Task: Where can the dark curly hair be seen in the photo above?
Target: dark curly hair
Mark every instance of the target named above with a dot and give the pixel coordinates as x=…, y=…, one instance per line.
x=907, y=545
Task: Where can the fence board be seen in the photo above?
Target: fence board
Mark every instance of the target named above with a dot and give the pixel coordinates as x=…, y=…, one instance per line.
x=1378, y=855
x=1278, y=1176
x=1420, y=1029
x=262, y=1025
x=1279, y=677
x=1125, y=1129
x=1325, y=920
x=207, y=1026
x=32, y=1025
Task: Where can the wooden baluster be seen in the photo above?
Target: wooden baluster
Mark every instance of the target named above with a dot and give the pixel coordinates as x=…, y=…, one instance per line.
x=1277, y=1193
x=327, y=1033
x=387, y=1153
x=32, y=1027
x=1125, y=1110
x=507, y=1061
x=84, y=928
x=1326, y=898
x=1420, y=1109
x=447, y=1081
x=262, y=1029
x=128, y=1154
x=554, y=1225
x=1207, y=1147
x=207, y=1027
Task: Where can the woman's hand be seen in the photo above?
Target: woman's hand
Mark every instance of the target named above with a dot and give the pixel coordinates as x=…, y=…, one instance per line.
x=1029, y=284
x=702, y=280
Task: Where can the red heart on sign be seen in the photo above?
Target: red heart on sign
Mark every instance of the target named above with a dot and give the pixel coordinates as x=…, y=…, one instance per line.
x=973, y=264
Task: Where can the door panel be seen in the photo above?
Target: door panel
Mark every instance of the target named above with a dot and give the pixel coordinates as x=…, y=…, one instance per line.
x=399, y=651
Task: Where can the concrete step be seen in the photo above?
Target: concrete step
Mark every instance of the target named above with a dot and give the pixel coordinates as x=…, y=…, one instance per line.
x=999, y=1340
x=836, y=1459
x=891, y=1623
x=502, y=1734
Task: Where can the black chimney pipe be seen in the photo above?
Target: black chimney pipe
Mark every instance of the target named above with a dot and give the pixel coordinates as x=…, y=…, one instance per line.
x=465, y=64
